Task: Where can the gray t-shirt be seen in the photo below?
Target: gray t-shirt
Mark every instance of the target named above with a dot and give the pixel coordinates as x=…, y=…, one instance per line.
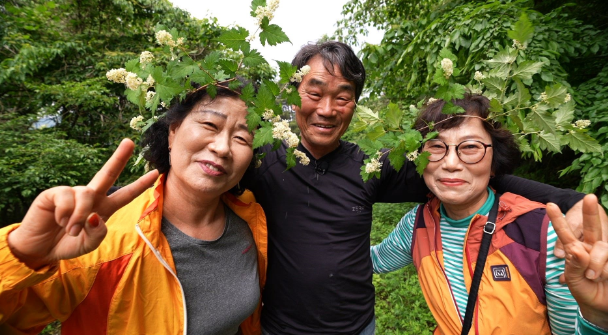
x=220, y=278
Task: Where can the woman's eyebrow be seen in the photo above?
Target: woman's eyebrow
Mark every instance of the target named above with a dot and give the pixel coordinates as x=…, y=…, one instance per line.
x=214, y=112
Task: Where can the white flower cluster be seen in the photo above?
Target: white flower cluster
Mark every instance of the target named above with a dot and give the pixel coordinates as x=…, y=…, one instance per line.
x=448, y=67
x=412, y=156
x=117, y=75
x=150, y=95
x=150, y=81
x=122, y=76
x=479, y=76
x=281, y=131
x=146, y=57
x=268, y=115
x=518, y=45
x=567, y=98
x=135, y=122
x=163, y=37
x=297, y=77
x=431, y=100
x=581, y=124
x=543, y=96
x=304, y=160
x=266, y=11
x=373, y=166
x=133, y=81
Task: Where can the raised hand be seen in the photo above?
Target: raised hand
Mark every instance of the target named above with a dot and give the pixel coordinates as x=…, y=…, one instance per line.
x=586, y=271
x=66, y=222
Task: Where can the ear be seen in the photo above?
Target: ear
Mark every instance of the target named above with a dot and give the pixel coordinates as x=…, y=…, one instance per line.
x=172, y=129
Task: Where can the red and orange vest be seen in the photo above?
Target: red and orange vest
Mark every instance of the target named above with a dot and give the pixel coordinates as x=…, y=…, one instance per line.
x=511, y=296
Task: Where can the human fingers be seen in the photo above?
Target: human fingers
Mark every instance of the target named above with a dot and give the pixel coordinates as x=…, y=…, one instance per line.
x=126, y=194
x=577, y=262
x=574, y=218
x=108, y=174
x=560, y=225
x=598, y=259
x=63, y=200
x=85, y=199
x=592, y=227
x=95, y=229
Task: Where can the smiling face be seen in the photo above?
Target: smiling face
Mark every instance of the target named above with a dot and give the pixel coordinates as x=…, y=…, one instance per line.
x=328, y=104
x=211, y=148
x=461, y=187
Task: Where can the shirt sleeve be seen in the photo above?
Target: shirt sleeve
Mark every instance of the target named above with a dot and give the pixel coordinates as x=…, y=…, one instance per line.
x=405, y=185
x=585, y=327
x=395, y=251
x=535, y=191
x=561, y=306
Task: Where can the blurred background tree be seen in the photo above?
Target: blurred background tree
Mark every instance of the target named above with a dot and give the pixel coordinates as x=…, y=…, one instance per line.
x=60, y=116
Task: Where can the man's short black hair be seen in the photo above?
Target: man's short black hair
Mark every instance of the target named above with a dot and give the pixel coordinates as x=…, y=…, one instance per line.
x=333, y=54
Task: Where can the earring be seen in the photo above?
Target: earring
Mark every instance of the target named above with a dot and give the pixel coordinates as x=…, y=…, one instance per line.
x=238, y=185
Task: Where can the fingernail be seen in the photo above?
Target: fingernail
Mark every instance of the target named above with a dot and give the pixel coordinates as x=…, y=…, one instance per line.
x=93, y=220
x=590, y=274
x=559, y=253
x=75, y=230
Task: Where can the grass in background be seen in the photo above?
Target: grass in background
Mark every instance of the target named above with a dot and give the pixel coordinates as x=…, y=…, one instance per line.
x=400, y=305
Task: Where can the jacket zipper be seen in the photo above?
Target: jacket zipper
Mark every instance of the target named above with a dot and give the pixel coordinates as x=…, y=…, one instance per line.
x=164, y=263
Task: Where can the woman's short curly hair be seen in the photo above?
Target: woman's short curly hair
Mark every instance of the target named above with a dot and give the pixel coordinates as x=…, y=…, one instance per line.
x=506, y=151
x=155, y=140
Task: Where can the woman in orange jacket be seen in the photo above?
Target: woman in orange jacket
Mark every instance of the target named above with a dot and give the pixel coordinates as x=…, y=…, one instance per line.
x=185, y=255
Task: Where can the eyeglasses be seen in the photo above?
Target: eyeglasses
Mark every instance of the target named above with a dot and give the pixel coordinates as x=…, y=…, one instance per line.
x=469, y=152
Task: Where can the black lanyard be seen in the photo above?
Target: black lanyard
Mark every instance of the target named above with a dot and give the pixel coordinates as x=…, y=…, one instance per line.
x=488, y=230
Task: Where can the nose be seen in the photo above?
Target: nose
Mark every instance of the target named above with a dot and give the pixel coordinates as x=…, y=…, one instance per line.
x=451, y=161
x=220, y=145
x=325, y=107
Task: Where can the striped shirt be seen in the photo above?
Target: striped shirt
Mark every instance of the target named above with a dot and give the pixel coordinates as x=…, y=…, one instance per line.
x=395, y=252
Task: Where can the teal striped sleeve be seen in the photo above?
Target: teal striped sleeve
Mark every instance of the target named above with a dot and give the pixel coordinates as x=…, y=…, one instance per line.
x=561, y=306
x=395, y=251
x=584, y=327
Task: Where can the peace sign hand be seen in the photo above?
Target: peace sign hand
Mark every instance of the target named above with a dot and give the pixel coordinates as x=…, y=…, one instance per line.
x=586, y=271
x=66, y=222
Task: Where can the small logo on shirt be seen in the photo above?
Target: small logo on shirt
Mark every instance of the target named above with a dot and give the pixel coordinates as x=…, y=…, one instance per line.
x=358, y=209
x=501, y=273
x=247, y=249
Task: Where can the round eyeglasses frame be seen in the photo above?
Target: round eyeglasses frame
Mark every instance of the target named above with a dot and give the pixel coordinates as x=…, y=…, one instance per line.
x=485, y=150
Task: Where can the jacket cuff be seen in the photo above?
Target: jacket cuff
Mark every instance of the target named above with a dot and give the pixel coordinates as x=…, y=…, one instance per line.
x=14, y=274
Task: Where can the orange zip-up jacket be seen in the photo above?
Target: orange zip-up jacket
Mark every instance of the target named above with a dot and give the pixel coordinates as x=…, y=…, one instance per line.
x=126, y=286
x=511, y=296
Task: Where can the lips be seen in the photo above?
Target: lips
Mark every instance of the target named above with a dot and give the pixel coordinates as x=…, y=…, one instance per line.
x=451, y=181
x=212, y=168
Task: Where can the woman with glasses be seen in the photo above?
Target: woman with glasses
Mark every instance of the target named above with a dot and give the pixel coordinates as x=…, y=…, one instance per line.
x=517, y=289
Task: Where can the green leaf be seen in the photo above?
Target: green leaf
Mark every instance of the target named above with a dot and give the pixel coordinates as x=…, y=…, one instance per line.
x=262, y=137
x=450, y=108
x=527, y=69
x=247, y=93
x=265, y=99
x=290, y=158
x=272, y=34
x=293, y=98
x=503, y=57
x=582, y=142
x=446, y=53
x=393, y=116
x=548, y=141
x=422, y=161
x=211, y=90
x=556, y=94
x=523, y=31
x=451, y=91
x=495, y=106
x=376, y=132
x=542, y=120
x=286, y=70
x=366, y=114
x=565, y=114
x=522, y=94
x=229, y=65
x=369, y=146
x=494, y=83
x=272, y=86
x=253, y=58
x=184, y=68
x=397, y=156
x=253, y=118
x=235, y=38
x=439, y=78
